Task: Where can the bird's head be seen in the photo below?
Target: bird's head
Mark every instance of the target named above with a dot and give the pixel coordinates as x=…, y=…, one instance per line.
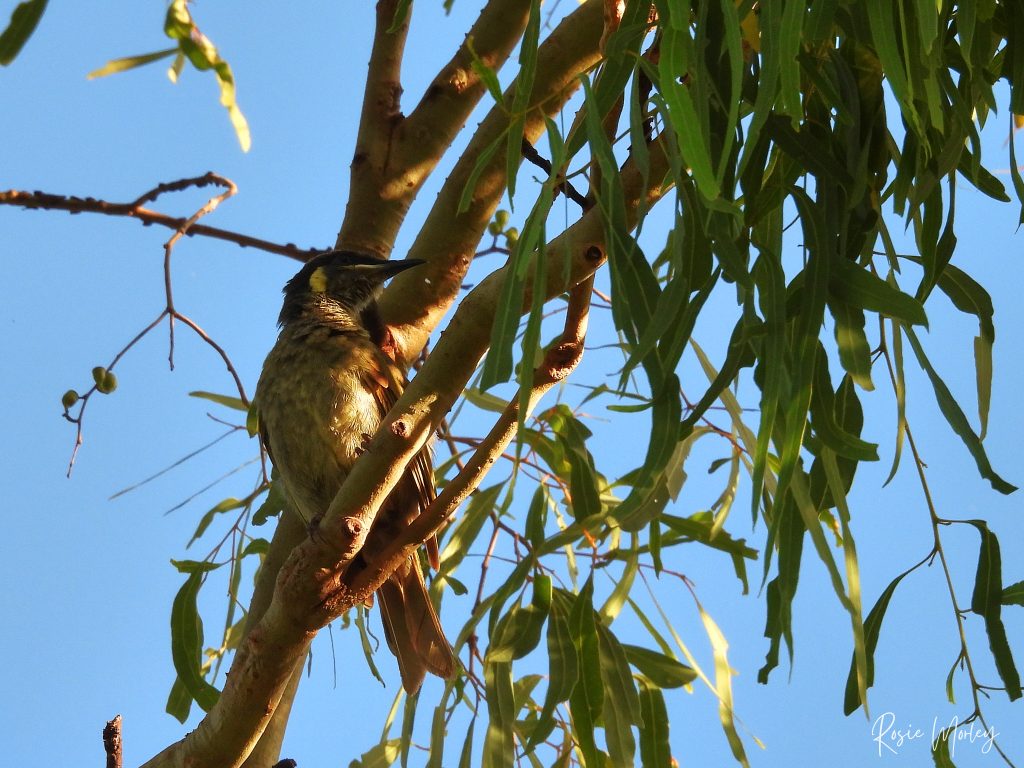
x=337, y=285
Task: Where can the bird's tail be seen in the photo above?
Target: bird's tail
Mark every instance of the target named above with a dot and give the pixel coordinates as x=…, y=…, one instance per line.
x=412, y=628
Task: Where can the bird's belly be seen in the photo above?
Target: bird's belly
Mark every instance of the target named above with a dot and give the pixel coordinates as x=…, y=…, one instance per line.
x=317, y=418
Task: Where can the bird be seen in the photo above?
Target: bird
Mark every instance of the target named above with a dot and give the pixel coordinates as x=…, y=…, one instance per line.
x=325, y=387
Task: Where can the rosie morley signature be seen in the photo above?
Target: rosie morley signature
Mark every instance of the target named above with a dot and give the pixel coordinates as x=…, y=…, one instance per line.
x=890, y=738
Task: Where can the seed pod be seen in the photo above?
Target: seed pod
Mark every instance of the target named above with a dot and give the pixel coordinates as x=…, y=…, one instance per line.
x=69, y=399
x=108, y=384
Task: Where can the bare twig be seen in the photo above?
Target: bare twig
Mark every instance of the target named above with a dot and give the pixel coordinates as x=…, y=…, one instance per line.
x=71, y=204
x=530, y=153
x=169, y=311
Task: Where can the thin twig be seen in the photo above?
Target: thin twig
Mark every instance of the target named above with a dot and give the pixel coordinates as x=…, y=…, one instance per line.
x=72, y=204
x=530, y=153
x=939, y=550
x=184, y=227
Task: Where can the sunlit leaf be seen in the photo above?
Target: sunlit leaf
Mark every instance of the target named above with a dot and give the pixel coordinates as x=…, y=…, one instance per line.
x=187, y=641
x=130, y=62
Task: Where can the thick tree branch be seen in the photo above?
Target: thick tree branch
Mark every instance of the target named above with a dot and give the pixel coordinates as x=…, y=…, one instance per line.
x=289, y=532
x=414, y=304
x=311, y=589
x=394, y=155
x=367, y=225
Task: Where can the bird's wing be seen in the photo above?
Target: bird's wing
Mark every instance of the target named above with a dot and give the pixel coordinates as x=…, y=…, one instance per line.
x=387, y=384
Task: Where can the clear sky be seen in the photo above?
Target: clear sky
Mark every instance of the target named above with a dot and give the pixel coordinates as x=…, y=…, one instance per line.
x=88, y=583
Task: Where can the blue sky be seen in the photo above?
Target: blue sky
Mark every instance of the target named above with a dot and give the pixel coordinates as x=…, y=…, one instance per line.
x=88, y=580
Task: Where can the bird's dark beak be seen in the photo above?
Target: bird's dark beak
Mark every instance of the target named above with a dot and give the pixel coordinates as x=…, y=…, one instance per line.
x=388, y=269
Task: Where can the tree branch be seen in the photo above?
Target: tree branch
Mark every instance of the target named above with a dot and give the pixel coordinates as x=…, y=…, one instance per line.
x=72, y=204
x=112, y=743
x=414, y=304
x=394, y=155
x=367, y=224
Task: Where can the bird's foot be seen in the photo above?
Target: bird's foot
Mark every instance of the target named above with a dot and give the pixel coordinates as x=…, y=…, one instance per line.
x=364, y=444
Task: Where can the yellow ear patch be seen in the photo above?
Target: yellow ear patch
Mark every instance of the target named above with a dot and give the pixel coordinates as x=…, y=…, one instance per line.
x=318, y=281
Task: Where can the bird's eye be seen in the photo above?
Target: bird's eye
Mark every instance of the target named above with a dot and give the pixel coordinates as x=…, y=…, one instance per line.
x=318, y=280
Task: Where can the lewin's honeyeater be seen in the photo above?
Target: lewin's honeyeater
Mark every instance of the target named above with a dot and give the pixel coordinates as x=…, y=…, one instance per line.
x=325, y=387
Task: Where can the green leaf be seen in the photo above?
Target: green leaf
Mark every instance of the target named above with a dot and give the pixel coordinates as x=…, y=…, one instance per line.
x=690, y=130
x=723, y=685
x=273, y=505
x=970, y=297
x=621, y=708
x=872, y=629
x=23, y=23
x=487, y=75
x=485, y=400
x=957, y=420
x=466, y=758
x=129, y=62
x=983, y=380
x=226, y=82
x=203, y=55
x=815, y=282
x=224, y=505
x=823, y=418
x=940, y=748
x=662, y=670
x=498, y=367
x=860, y=288
x=521, y=99
x=518, y=631
x=587, y=698
x=367, y=645
x=613, y=605
x=986, y=600
x=852, y=342
x=655, y=751
x=380, y=756
x=195, y=566
x=478, y=168
x=499, y=745
x=563, y=671
x=1013, y=594
x=900, y=387
x=884, y=31
x=650, y=491
x=187, y=643
x=400, y=17
x=583, y=479
x=789, y=539
x=179, y=702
